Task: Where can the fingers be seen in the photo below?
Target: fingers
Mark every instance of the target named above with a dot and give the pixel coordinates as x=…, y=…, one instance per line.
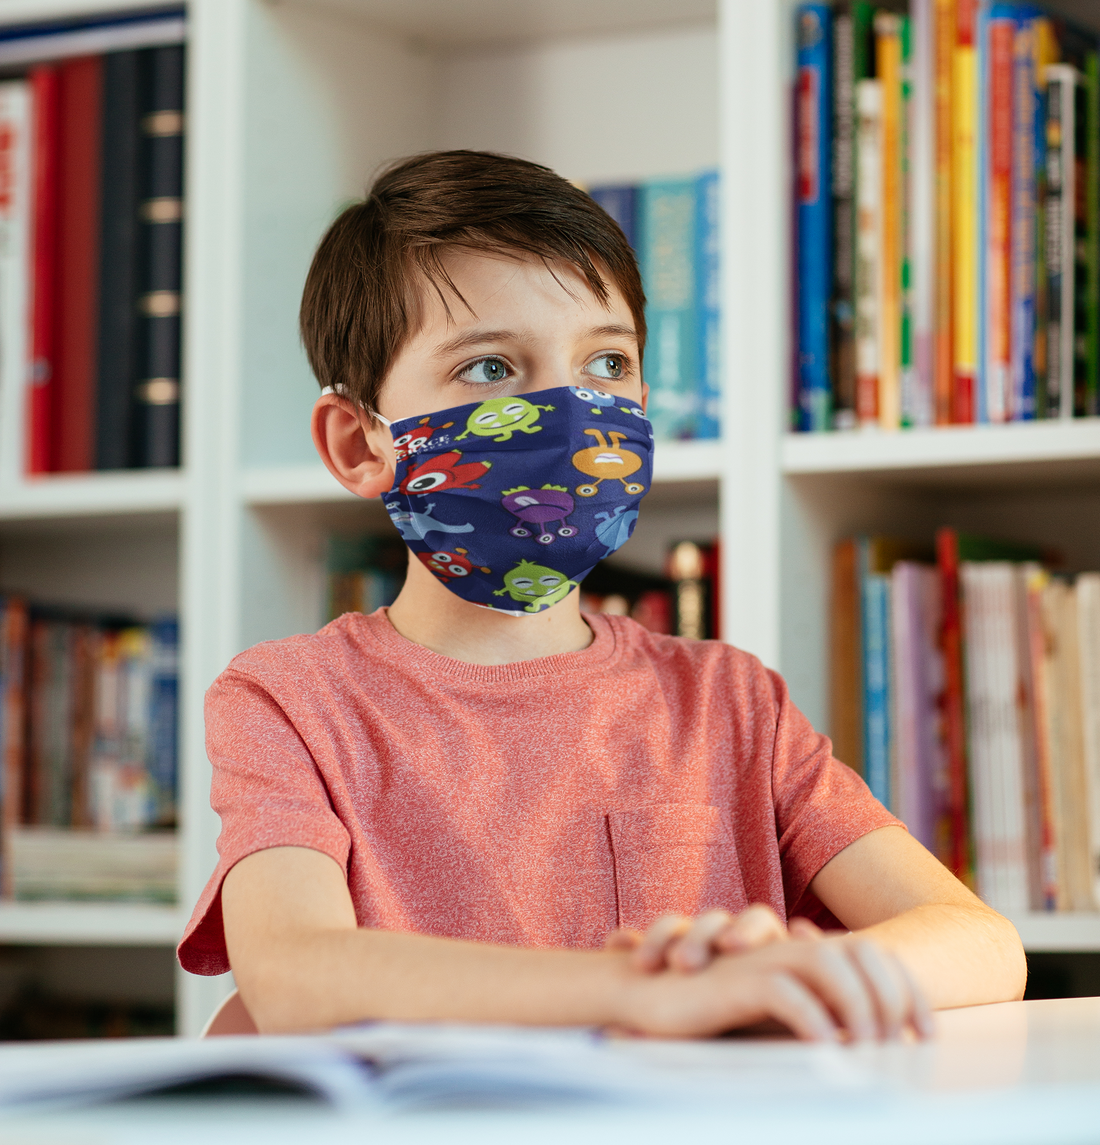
x=756, y=926
x=898, y=1000
x=693, y=949
x=829, y=970
x=804, y=929
x=789, y=1001
x=622, y=939
x=652, y=952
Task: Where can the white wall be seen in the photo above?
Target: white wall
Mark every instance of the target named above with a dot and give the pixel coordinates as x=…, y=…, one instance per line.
x=602, y=109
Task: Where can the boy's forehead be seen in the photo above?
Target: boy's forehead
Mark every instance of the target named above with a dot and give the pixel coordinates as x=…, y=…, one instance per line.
x=508, y=285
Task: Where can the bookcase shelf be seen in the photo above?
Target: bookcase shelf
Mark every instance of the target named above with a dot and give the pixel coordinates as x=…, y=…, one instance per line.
x=88, y=924
x=95, y=495
x=1058, y=932
x=291, y=109
x=1019, y=453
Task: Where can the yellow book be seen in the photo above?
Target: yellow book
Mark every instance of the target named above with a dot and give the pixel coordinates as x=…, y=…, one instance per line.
x=964, y=184
x=888, y=67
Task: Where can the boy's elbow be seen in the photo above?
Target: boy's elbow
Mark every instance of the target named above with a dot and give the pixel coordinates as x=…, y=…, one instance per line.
x=1009, y=984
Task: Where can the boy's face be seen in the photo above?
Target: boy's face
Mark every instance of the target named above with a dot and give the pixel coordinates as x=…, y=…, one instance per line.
x=524, y=329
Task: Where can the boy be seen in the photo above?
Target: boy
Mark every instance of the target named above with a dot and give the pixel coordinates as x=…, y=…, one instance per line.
x=480, y=805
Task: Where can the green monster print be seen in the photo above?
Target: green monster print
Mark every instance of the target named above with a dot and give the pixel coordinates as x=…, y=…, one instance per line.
x=503, y=417
x=537, y=585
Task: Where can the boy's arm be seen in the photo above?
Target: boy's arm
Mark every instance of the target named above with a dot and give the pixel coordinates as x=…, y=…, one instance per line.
x=301, y=963
x=889, y=888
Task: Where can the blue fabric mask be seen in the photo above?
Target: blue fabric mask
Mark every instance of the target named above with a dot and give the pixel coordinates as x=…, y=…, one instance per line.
x=510, y=502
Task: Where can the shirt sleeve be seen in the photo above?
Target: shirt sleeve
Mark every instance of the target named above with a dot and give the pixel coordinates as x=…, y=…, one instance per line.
x=269, y=793
x=821, y=806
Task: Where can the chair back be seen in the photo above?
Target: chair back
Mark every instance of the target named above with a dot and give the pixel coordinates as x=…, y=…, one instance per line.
x=231, y=1017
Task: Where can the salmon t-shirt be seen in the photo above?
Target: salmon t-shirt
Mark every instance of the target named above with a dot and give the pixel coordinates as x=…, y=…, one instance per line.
x=541, y=803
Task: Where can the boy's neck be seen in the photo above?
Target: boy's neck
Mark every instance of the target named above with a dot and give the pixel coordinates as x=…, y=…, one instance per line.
x=431, y=615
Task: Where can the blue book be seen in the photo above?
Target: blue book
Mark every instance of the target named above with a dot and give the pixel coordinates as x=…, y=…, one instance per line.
x=666, y=256
x=620, y=201
x=162, y=762
x=708, y=295
x=1025, y=167
x=875, y=609
x=813, y=148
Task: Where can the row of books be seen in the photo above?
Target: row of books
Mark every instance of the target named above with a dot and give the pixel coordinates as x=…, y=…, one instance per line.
x=367, y=571
x=966, y=688
x=947, y=215
x=685, y=601
x=672, y=224
x=88, y=731
x=91, y=217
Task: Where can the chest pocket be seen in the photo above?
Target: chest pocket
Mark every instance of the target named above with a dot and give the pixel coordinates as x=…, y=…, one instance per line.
x=673, y=857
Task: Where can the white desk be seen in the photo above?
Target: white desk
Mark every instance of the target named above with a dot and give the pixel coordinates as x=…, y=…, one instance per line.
x=1024, y=1072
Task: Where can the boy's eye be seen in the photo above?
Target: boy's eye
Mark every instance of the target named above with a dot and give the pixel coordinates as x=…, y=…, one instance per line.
x=608, y=366
x=486, y=371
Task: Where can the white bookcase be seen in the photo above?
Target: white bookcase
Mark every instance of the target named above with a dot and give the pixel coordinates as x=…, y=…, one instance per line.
x=292, y=105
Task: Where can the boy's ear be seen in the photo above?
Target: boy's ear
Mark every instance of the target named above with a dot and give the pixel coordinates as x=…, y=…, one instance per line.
x=645, y=396
x=356, y=452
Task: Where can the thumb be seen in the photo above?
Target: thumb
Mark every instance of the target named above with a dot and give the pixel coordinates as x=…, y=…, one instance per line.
x=757, y=925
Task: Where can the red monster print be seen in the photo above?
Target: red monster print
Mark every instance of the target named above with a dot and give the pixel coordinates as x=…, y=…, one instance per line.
x=415, y=440
x=447, y=566
x=444, y=472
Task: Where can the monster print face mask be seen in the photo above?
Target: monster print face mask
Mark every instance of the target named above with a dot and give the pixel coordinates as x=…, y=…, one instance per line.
x=510, y=502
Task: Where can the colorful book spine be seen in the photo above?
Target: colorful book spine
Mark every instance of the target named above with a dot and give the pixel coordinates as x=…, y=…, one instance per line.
x=875, y=608
x=842, y=336
x=163, y=756
x=814, y=214
x=1025, y=202
x=965, y=229
x=80, y=84
x=119, y=228
x=997, y=302
x=15, y=224
x=921, y=247
x=846, y=668
x=13, y=722
x=157, y=393
x=620, y=201
x=1046, y=53
x=888, y=59
x=868, y=249
x=1091, y=388
x=943, y=339
x=708, y=293
x=43, y=313
x=958, y=852
x=1081, y=315
x=1061, y=177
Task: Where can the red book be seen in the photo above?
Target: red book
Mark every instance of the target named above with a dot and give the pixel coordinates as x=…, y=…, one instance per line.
x=80, y=90
x=43, y=304
x=954, y=707
x=998, y=309
x=13, y=696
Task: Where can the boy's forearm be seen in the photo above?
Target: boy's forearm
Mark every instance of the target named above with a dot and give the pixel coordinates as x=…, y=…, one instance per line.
x=960, y=955
x=316, y=980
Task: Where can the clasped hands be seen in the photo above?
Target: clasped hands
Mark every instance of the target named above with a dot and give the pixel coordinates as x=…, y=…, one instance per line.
x=719, y=971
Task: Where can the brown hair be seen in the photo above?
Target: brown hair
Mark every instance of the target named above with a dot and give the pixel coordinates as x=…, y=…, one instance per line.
x=362, y=296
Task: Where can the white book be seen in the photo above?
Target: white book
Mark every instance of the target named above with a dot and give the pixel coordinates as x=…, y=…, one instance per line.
x=1088, y=628
x=996, y=745
x=15, y=246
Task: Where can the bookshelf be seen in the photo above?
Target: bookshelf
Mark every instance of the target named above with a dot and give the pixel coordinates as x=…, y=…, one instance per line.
x=291, y=107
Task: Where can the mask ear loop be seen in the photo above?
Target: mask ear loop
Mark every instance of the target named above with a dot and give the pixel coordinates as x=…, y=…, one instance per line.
x=339, y=392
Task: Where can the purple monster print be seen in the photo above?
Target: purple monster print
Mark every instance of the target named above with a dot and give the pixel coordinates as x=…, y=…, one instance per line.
x=536, y=509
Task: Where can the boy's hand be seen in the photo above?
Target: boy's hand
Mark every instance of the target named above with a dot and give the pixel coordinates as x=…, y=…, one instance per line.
x=822, y=989
x=680, y=943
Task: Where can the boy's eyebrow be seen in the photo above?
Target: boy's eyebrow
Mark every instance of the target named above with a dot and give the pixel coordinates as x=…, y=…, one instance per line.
x=474, y=338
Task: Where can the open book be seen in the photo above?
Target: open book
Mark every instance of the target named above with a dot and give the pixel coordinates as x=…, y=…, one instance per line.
x=409, y=1066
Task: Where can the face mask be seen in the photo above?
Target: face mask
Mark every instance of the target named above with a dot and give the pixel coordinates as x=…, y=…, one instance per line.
x=510, y=502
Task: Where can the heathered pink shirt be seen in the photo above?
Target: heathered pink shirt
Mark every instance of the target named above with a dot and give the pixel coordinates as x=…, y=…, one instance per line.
x=539, y=804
